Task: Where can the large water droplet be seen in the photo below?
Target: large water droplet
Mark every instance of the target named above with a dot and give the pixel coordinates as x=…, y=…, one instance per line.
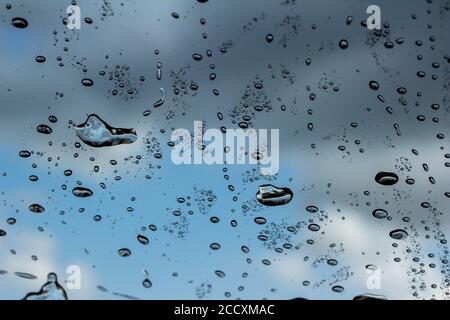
x=19, y=22
x=386, y=178
x=270, y=195
x=97, y=133
x=51, y=290
x=44, y=129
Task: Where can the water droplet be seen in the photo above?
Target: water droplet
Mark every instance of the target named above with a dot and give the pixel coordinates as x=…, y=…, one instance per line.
x=97, y=133
x=19, y=22
x=197, y=56
x=220, y=273
x=25, y=275
x=82, y=192
x=312, y=209
x=40, y=59
x=124, y=252
x=332, y=262
x=87, y=82
x=215, y=246
x=143, y=239
x=397, y=129
x=24, y=154
x=270, y=195
x=51, y=290
x=260, y=220
x=159, y=71
x=338, y=289
x=36, y=208
x=269, y=38
x=67, y=173
x=44, y=129
x=343, y=44
x=380, y=213
x=147, y=283
x=386, y=178
x=374, y=85
x=160, y=102
x=398, y=234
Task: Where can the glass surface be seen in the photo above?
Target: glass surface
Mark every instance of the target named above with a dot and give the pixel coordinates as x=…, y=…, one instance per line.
x=360, y=203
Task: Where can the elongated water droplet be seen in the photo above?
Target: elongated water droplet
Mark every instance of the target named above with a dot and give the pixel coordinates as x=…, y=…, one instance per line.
x=214, y=246
x=36, y=208
x=51, y=290
x=82, y=192
x=220, y=273
x=143, y=239
x=260, y=220
x=312, y=209
x=270, y=195
x=124, y=252
x=97, y=133
x=87, y=82
x=160, y=102
x=159, y=71
x=374, y=85
x=24, y=154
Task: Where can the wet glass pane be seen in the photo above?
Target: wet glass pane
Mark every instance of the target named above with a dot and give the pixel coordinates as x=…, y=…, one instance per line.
x=224, y=149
